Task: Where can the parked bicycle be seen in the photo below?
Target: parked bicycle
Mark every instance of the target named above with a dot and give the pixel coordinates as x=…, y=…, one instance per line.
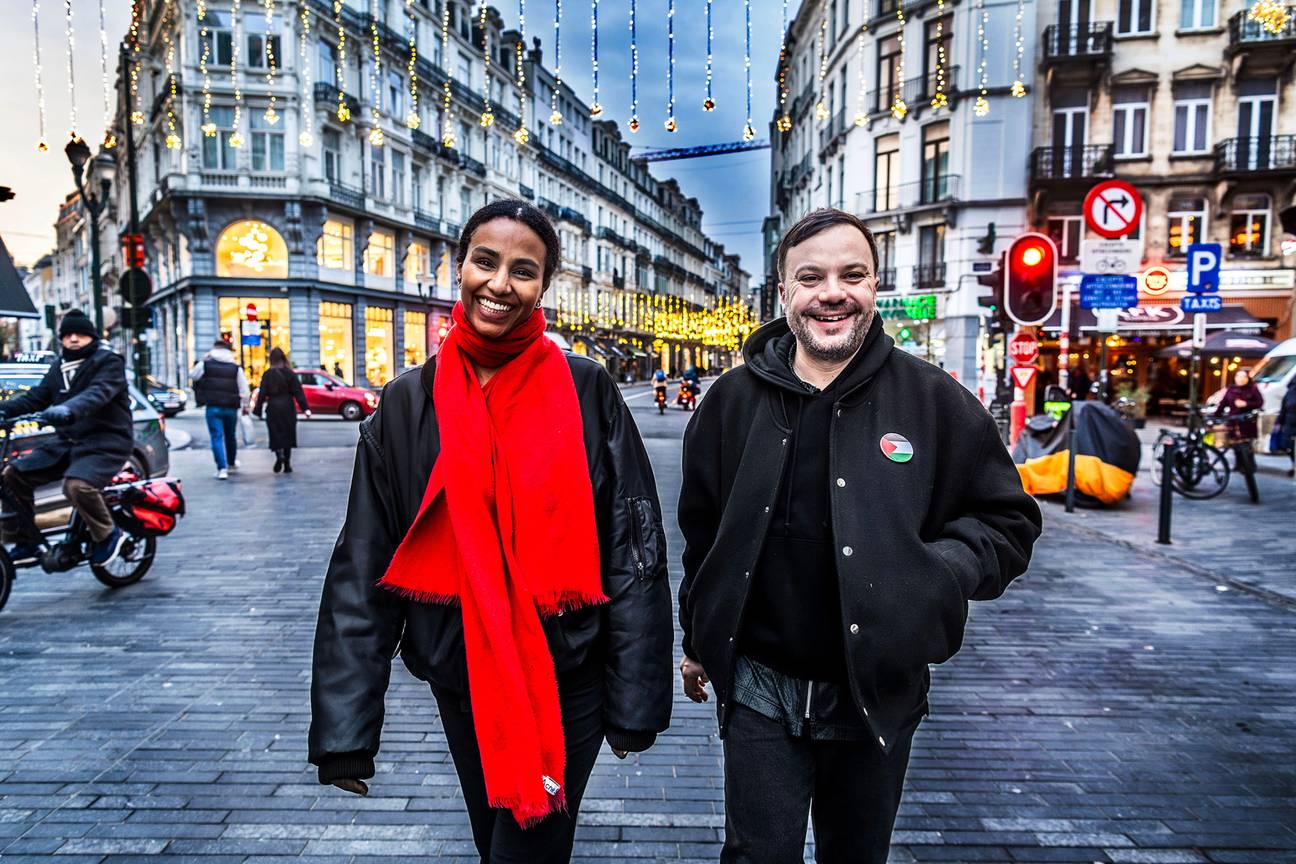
x=1199, y=469
x=144, y=509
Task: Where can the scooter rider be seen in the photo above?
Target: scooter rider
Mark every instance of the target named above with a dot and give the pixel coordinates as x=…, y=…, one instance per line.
x=84, y=396
x=659, y=379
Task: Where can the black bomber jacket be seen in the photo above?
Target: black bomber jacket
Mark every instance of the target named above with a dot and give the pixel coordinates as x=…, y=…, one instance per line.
x=362, y=627
x=913, y=540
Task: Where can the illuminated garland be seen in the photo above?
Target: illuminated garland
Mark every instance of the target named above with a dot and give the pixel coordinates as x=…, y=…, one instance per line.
x=784, y=123
x=898, y=107
x=447, y=125
x=71, y=50
x=109, y=139
x=339, y=68
x=271, y=115
x=634, y=71
x=595, y=108
x=487, y=116
x=236, y=137
x=375, y=77
x=306, y=137
x=940, y=100
x=708, y=104
x=671, y=125
x=555, y=116
x=982, y=105
x=821, y=109
x=412, y=120
x=861, y=115
x=172, y=137
x=1270, y=14
x=137, y=116
x=41, y=145
x=749, y=131
x=521, y=135
x=1018, y=88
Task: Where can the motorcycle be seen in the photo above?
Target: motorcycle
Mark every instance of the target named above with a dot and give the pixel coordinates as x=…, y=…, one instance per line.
x=687, y=396
x=143, y=508
x=659, y=396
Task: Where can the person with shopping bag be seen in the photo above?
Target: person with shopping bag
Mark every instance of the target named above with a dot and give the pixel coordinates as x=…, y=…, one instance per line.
x=219, y=384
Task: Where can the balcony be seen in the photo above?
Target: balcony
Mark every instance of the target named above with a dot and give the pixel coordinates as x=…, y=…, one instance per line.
x=1078, y=53
x=932, y=191
x=1071, y=164
x=475, y=166
x=931, y=276
x=618, y=281
x=423, y=141
x=1256, y=156
x=526, y=191
x=1256, y=50
x=549, y=207
x=587, y=274
x=886, y=279
x=328, y=94
x=348, y=195
x=574, y=216
x=834, y=132
x=427, y=220
x=917, y=92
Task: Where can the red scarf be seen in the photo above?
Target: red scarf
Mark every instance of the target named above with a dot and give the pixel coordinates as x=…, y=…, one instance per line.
x=507, y=530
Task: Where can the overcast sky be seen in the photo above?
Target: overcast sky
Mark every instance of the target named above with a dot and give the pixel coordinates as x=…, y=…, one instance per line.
x=732, y=189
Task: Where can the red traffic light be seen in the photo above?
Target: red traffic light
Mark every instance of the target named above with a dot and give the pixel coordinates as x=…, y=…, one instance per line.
x=1030, y=286
x=133, y=251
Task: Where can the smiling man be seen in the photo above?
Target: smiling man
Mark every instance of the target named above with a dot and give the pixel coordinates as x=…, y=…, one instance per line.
x=841, y=503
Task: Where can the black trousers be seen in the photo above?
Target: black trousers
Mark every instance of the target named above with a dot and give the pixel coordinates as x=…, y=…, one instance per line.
x=496, y=833
x=774, y=781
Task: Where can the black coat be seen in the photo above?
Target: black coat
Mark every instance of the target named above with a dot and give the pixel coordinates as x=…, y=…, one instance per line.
x=361, y=627
x=1287, y=413
x=913, y=541
x=101, y=436
x=280, y=389
x=1247, y=429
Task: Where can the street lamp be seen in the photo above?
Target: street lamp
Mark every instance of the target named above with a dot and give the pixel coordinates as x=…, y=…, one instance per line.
x=78, y=154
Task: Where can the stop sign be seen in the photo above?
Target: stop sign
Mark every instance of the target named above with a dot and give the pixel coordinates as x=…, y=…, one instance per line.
x=1023, y=349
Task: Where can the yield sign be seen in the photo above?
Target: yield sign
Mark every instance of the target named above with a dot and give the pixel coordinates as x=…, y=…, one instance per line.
x=1022, y=375
x=1113, y=208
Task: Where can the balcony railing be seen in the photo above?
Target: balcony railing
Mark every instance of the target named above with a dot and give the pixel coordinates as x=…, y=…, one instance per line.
x=475, y=166
x=1090, y=41
x=931, y=275
x=587, y=273
x=327, y=93
x=886, y=279
x=1071, y=163
x=526, y=191
x=917, y=92
x=427, y=220
x=835, y=129
x=934, y=189
x=424, y=141
x=1244, y=155
x=1244, y=32
x=549, y=207
x=348, y=195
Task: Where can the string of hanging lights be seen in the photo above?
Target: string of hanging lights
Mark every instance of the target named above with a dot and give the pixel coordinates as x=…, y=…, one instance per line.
x=236, y=137
x=208, y=128
x=1270, y=14
x=1018, y=88
x=671, y=125
x=412, y=119
x=41, y=144
x=555, y=116
x=375, y=77
x=487, y=116
x=784, y=123
x=595, y=108
x=898, y=107
x=447, y=124
x=939, y=99
x=271, y=115
x=110, y=138
x=71, y=50
x=982, y=105
x=861, y=116
x=306, y=137
x=749, y=130
x=137, y=116
x=521, y=135
x=725, y=323
x=634, y=70
x=173, y=133
x=339, y=67
x=821, y=108
x=708, y=104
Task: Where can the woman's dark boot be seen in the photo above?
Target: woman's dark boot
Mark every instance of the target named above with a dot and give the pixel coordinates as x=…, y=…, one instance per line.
x=287, y=461
x=279, y=461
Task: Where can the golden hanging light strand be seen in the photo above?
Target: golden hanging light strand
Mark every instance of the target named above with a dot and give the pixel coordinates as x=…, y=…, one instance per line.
x=861, y=115
x=137, y=116
x=173, y=136
x=1018, y=88
x=447, y=124
x=708, y=104
x=236, y=137
x=271, y=115
x=208, y=128
x=375, y=77
x=634, y=70
x=898, y=107
x=821, y=108
x=784, y=122
x=749, y=130
x=339, y=68
x=41, y=144
x=555, y=116
x=306, y=137
x=412, y=119
x=521, y=135
x=982, y=105
x=487, y=116
x=71, y=50
x=939, y=99
x=109, y=138
x=595, y=108
x=671, y=125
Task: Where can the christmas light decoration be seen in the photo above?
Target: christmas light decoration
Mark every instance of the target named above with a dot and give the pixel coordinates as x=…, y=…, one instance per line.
x=982, y=105
x=634, y=70
x=339, y=68
x=487, y=116
x=1018, y=88
x=521, y=135
x=1270, y=14
x=306, y=137
x=41, y=145
x=784, y=123
x=109, y=139
x=595, y=108
x=71, y=50
x=749, y=131
x=861, y=115
x=821, y=109
x=671, y=125
x=137, y=116
x=375, y=77
x=271, y=115
x=204, y=54
x=555, y=116
x=412, y=120
x=898, y=107
x=447, y=124
x=940, y=99
x=172, y=137
x=236, y=137
x=708, y=104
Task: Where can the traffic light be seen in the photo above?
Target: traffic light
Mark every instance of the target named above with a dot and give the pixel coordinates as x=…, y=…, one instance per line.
x=1030, y=279
x=993, y=302
x=133, y=251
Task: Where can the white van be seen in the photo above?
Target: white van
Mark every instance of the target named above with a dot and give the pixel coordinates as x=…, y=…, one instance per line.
x=1271, y=375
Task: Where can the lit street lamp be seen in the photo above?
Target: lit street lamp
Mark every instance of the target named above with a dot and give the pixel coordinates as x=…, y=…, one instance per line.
x=103, y=169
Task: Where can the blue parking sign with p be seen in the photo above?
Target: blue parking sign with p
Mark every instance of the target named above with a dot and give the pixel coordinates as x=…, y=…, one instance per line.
x=1204, y=267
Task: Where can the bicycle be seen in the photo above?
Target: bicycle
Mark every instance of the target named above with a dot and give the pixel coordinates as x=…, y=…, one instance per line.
x=1199, y=469
x=143, y=508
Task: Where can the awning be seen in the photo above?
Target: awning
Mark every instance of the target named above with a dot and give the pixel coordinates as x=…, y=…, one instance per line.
x=1223, y=343
x=613, y=349
x=14, y=300
x=1150, y=320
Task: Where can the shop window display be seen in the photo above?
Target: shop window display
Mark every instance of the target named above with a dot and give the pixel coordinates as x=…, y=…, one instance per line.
x=380, y=345
x=254, y=325
x=336, y=332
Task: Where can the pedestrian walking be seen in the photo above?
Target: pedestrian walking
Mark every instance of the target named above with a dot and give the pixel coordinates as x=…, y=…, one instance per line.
x=841, y=503
x=280, y=396
x=219, y=383
x=503, y=516
x=1241, y=397
x=1286, y=424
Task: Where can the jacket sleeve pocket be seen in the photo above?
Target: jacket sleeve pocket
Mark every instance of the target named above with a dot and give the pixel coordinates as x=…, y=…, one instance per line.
x=647, y=544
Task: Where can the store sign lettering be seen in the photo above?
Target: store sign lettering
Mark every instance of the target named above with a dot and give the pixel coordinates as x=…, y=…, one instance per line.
x=916, y=307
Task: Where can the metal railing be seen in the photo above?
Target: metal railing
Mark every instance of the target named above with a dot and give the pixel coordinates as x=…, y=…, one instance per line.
x=1071, y=163
x=427, y=220
x=1241, y=155
x=474, y=165
x=526, y=191
x=930, y=275
x=917, y=92
x=1078, y=41
x=348, y=195
x=886, y=279
x=935, y=189
x=1244, y=31
x=325, y=92
x=424, y=141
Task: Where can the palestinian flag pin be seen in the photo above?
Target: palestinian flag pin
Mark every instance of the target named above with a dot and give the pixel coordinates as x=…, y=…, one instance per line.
x=896, y=447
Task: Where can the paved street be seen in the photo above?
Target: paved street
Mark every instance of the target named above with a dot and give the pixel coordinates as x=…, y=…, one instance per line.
x=1119, y=704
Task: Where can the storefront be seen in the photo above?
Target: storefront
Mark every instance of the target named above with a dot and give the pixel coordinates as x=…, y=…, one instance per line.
x=416, y=338
x=255, y=325
x=912, y=320
x=380, y=345
x=336, y=335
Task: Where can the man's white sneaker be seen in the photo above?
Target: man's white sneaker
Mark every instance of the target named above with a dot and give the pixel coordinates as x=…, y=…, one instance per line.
x=222, y=474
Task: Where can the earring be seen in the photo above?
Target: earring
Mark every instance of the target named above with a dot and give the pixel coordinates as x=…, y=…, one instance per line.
x=538, y=302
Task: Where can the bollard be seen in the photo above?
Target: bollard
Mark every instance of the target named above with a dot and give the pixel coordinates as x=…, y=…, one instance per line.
x=1071, y=457
x=1167, y=491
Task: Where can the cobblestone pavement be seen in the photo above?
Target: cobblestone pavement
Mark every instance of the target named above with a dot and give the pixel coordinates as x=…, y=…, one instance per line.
x=1114, y=706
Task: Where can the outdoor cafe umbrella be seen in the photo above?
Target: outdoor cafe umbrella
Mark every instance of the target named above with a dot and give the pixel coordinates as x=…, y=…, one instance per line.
x=1223, y=343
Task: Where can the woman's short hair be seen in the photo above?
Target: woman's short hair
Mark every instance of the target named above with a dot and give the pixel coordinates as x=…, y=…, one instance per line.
x=519, y=211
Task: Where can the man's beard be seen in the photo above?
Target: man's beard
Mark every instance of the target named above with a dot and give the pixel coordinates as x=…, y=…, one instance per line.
x=841, y=349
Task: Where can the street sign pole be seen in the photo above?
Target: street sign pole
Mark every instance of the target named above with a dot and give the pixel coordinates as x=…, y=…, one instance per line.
x=1198, y=340
x=1064, y=341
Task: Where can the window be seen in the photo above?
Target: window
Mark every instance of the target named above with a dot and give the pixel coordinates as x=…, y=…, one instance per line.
x=1067, y=232
x=465, y=205
x=267, y=143
x=889, y=82
x=1129, y=121
x=1249, y=226
x=222, y=40
x=378, y=172
x=331, y=142
x=398, y=178
x=256, y=51
x=326, y=59
x=250, y=249
x=395, y=95
x=935, y=166
x=937, y=52
x=380, y=345
x=1192, y=114
x=1134, y=17
x=931, y=256
x=886, y=260
x=1187, y=217
x=379, y=254
x=886, y=173
x=415, y=338
x=416, y=264
x=217, y=154
x=334, y=249
x=1196, y=14
x=336, y=332
x=416, y=180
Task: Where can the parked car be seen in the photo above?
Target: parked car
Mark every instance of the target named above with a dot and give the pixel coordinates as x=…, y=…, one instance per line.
x=149, y=457
x=168, y=400
x=328, y=394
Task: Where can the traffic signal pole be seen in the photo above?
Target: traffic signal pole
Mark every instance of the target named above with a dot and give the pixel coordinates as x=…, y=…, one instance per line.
x=134, y=218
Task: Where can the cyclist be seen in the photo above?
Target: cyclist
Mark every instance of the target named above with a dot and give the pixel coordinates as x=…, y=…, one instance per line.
x=84, y=396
